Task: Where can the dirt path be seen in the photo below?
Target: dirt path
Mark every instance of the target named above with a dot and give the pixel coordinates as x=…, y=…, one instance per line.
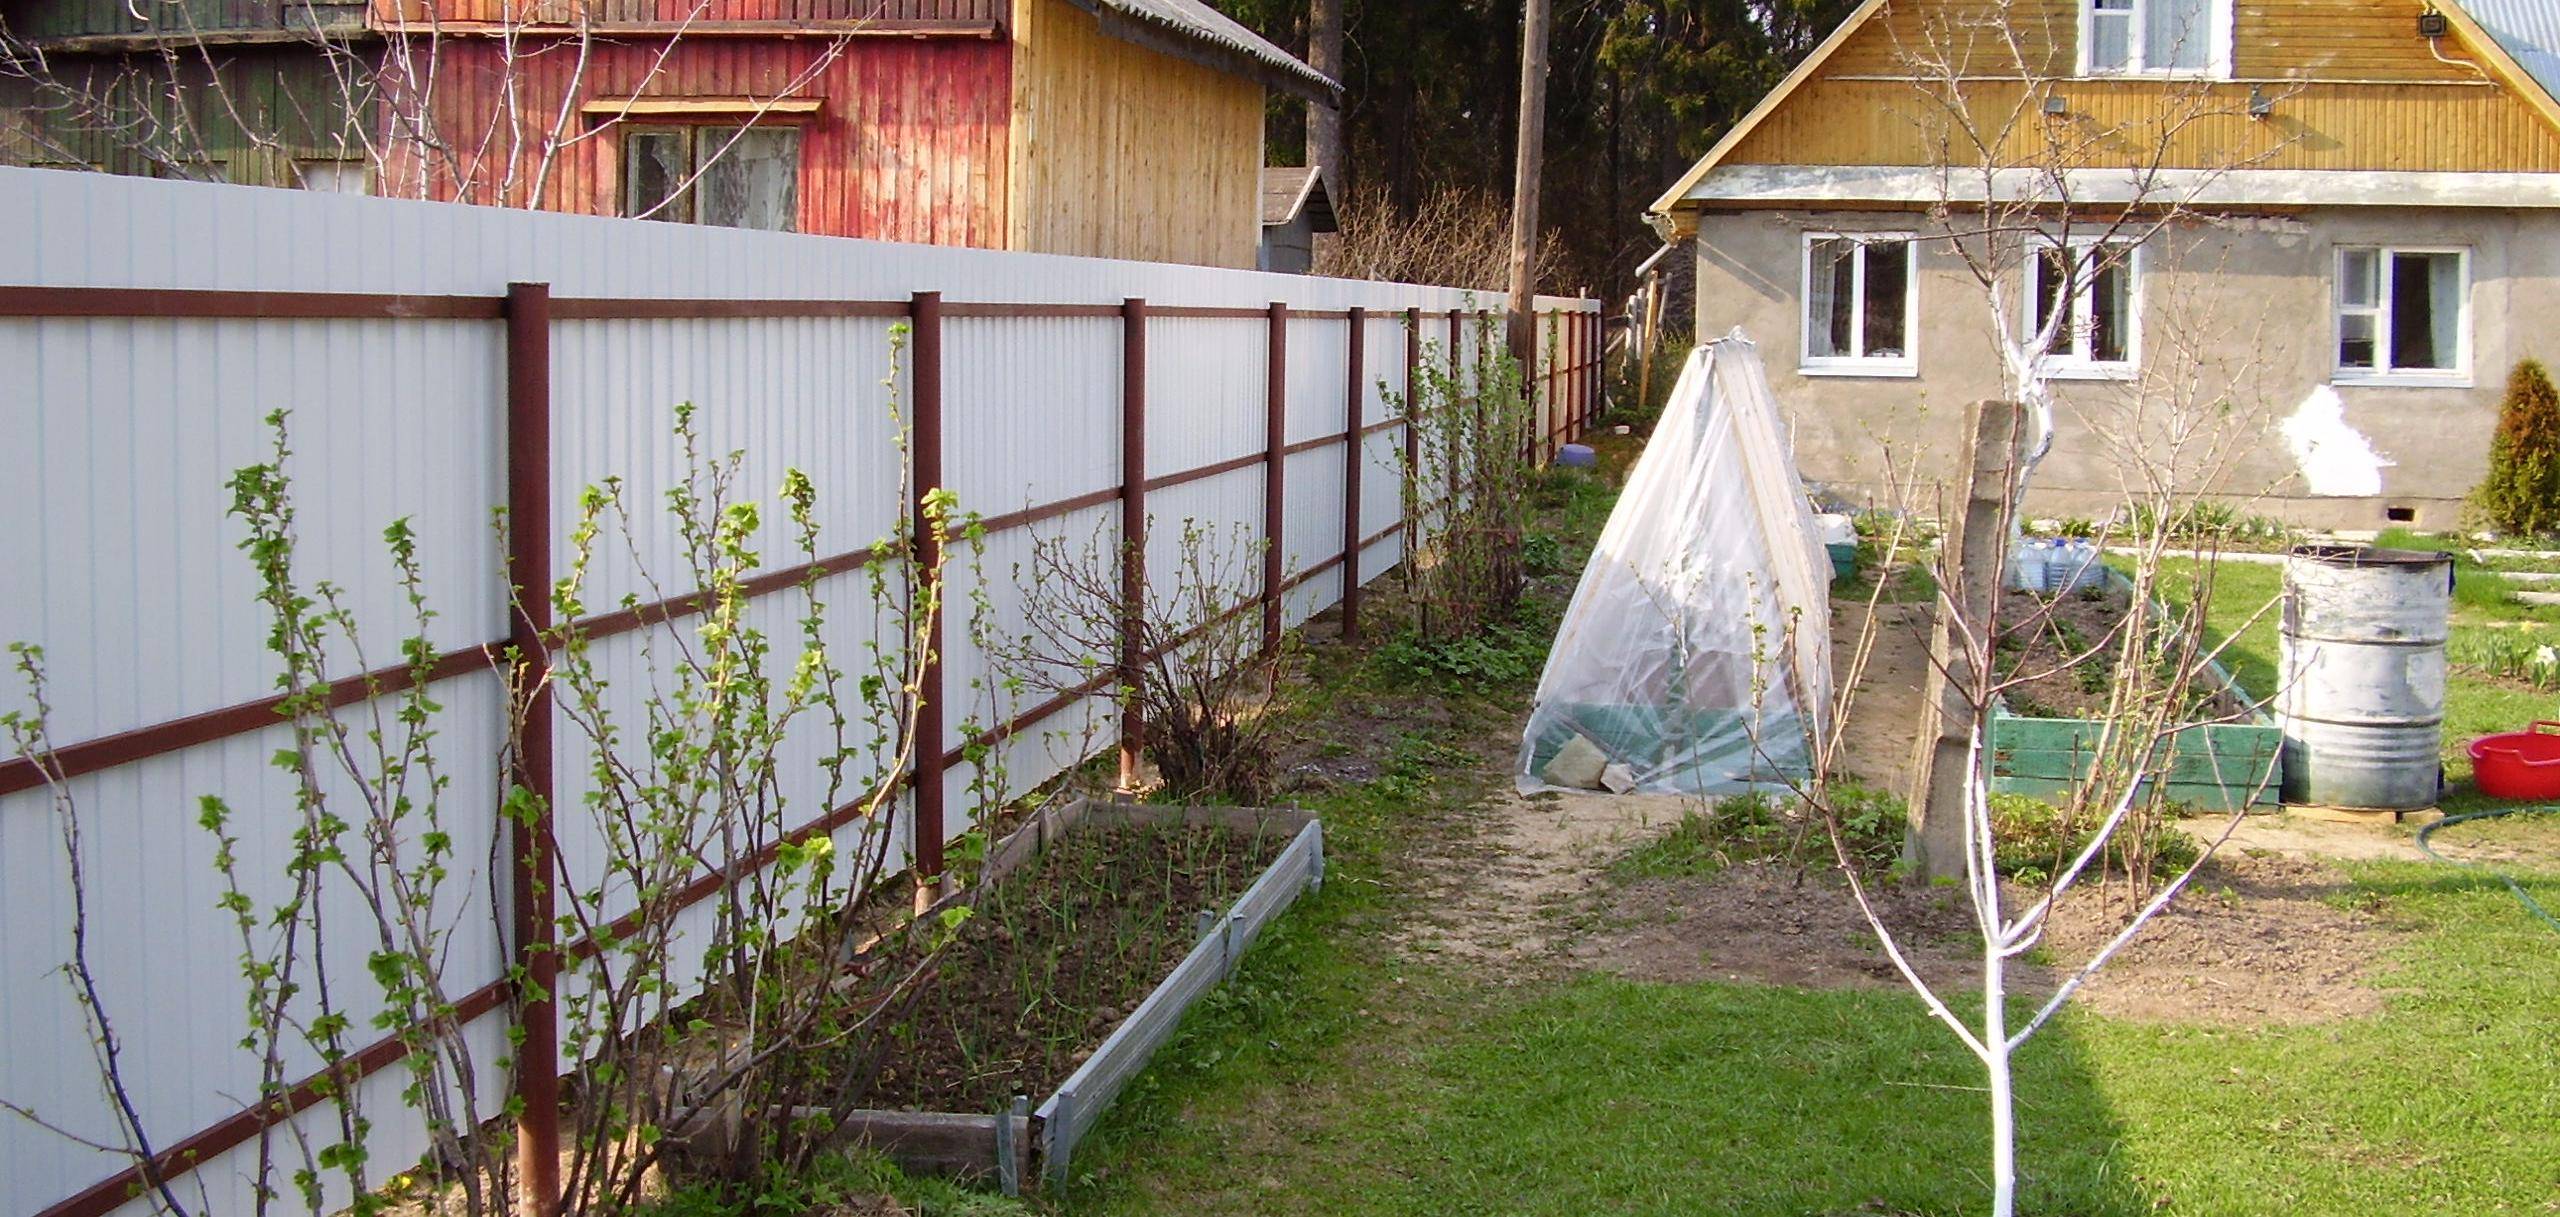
x=1521, y=886
x=1507, y=894
x=1876, y=738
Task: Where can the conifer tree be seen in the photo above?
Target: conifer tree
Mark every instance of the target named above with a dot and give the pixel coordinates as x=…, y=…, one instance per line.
x=2521, y=494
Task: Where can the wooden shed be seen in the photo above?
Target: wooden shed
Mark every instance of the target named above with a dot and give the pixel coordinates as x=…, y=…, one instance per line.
x=1295, y=207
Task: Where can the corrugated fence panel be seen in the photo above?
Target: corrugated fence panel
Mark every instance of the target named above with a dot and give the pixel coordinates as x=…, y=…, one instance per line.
x=126, y=428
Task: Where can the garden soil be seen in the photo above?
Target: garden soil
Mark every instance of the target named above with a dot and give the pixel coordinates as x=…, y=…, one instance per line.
x=1055, y=957
x=2254, y=941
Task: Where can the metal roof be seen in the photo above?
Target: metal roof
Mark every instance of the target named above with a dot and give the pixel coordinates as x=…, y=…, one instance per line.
x=1288, y=190
x=2529, y=30
x=1212, y=37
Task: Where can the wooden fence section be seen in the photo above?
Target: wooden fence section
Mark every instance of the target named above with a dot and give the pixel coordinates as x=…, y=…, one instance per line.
x=1049, y=394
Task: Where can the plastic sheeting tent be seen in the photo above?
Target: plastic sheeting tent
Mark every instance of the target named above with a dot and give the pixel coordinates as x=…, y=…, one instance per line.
x=1696, y=657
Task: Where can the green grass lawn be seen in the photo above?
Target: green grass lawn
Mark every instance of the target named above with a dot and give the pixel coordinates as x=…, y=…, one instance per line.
x=1345, y=1081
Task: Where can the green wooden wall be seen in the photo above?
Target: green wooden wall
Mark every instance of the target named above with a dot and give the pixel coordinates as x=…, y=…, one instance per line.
x=277, y=104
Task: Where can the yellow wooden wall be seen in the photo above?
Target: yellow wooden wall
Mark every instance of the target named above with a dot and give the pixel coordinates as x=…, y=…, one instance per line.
x=2353, y=86
x=1122, y=152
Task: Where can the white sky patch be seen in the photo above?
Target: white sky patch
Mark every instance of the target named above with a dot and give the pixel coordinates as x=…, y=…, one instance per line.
x=2335, y=459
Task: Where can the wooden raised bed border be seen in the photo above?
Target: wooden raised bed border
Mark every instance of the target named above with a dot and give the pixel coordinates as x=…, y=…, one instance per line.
x=2217, y=767
x=949, y=1143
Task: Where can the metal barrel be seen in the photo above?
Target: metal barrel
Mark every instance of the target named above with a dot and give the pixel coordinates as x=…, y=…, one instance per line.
x=2363, y=673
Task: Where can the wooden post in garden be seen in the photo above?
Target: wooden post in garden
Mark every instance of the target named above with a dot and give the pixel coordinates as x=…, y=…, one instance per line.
x=1976, y=544
x=1522, y=322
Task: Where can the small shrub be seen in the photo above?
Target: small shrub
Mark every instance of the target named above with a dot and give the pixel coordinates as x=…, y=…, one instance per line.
x=1542, y=553
x=1872, y=824
x=1754, y=826
x=2034, y=839
x=2521, y=494
x=1736, y=828
x=1502, y=655
x=2529, y=660
x=2206, y=523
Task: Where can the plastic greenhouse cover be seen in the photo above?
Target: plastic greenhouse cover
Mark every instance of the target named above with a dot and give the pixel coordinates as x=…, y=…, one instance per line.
x=1696, y=657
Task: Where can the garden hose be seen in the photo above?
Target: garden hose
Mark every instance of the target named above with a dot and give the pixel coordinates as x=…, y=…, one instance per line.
x=2503, y=877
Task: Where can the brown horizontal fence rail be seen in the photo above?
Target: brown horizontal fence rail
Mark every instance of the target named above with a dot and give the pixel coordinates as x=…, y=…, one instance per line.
x=528, y=314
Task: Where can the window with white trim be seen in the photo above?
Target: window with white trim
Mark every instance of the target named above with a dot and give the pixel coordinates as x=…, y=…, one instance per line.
x=2155, y=37
x=2093, y=283
x=736, y=177
x=1859, y=297
x=2403, y=313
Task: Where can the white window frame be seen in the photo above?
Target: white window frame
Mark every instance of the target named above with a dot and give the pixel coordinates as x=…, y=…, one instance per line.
x=2069, y=358
x=2217, y=61
x=1905, y=365
x=2382, y=373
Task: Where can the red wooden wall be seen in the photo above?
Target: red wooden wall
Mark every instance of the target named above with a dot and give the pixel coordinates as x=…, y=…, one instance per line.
x=908, y=143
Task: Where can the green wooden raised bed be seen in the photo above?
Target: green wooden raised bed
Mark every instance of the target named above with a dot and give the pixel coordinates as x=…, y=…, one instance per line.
x=2219, y=767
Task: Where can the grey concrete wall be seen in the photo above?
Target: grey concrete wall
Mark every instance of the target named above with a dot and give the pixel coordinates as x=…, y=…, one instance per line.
x=2236, y=332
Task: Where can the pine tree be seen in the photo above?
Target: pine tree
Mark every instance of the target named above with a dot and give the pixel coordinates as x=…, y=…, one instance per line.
x=2521, y=495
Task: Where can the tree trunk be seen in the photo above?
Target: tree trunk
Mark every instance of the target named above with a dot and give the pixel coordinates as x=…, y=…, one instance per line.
x=1324, y=122
x=1524, y=185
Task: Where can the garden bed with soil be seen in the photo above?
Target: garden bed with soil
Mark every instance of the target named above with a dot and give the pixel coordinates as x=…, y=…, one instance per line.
x=2046, y=737
x=1093, y=928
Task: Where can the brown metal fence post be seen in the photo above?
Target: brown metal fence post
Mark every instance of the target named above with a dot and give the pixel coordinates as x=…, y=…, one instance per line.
x=1353, y=444
x=924, y=313
x=1596, y=377
x=1581, y=365
x=529, y=838
x=1412, y=500
x=1457, y=391
x=1275, y=460
x=1133, y=526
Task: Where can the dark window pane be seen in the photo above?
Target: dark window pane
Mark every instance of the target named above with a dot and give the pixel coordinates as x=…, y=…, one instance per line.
x=1828, y=288
x=2055, y=296
x=2426, y=311
x=1888, y=278
x=655, y=163
x=2110, y=306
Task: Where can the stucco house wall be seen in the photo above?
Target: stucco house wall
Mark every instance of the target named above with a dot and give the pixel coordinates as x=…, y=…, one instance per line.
x=2240, y=308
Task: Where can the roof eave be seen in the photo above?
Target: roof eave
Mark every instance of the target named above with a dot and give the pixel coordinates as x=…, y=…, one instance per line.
x=1190, y=47
x=2502, y=64
x=1670, y=204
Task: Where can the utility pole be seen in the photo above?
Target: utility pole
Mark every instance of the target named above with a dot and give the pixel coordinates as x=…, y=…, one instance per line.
x=1325, y=150
x=1524, y=184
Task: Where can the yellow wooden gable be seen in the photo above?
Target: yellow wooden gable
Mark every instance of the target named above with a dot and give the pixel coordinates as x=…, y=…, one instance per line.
x=2338, y=85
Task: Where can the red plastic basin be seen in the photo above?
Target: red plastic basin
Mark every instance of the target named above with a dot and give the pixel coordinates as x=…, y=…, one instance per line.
x=2519, y=765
